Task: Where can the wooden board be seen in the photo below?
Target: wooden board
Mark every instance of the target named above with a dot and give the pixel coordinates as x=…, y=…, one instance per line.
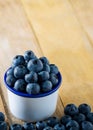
x=64, y=42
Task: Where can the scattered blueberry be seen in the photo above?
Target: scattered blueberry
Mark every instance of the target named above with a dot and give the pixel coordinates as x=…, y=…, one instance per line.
x=29, y=126
x=48, y=128
x=53, y=78
x=71, y=110
x=33, y=88
x=90, y=117
x=53, y=69
x=43, y=75
x=46, y=67
x=18, y=60
x=10, y=80
x=59, y=127
x=20, y=71
x=46, y=86
x=52, y=121
x=32, y=77
x=44, y=60
x=79, y=117
x=3, y=125
x=28, y=55
x=2, y=116
x=35, y=65
x=84, y=108
x=72, y=124
x=16, y=127
x=40, y=125
x=86, y=125
x=65, y=119
x=20, y=85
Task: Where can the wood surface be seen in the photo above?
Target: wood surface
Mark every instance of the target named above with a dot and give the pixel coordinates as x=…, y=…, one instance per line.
x=58, y=29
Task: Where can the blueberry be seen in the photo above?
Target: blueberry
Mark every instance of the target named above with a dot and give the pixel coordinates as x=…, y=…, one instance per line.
x=44, y=60
x=79, y=117
x=84, y=108
x=53, y=69
x=46, y=67
x=90, y=117
x=35, y=65
x=3, y=125
x=46, y=86
x=16, y=127
x=2, y=116
x=28, y=55
x=40, y=125
x=10, y=80
x=86, y=125
x=29, y=126
x=72, y=124
x=43, y=75
x=48, y=128
x=71, y=110
x=20, y=85
x=32, y=77
x=65, y=119
x=10, y=71
x=54, y=79
x=59, y=127
x=20, y=71
x=33, y=88
x=52, y=121
x=18, y=60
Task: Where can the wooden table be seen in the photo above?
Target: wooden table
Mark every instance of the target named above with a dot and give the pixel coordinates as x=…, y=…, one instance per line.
x=61, y=30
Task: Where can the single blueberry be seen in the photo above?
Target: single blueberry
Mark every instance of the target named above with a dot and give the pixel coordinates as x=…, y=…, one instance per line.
x=46, y=86
x=40, y=125
x=48, y=128
x=18, y=60
x=44, y=60
x=52, y=121
x=53, y=78
x=33, y=88
x=46, y=67
x=59, y=127
x=3, y=125
x=35, y=65
x=20, y=85
x=16, y=127
x=20, y=71
x=65, y=119
x=53, y=69
x=79, y=117
x=72, y=123
x=29, y=126
x=43, y=75
x=71, y=109
x=84, y=108
x=90, y=117
x=2, y=116
x=32, y=77
x=86, y=125
x=28, y=55
x=10, y=80
x=10, y=71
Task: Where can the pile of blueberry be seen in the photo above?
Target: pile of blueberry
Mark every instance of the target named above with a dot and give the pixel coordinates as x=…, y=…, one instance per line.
x=32, y=75
x=75, y=118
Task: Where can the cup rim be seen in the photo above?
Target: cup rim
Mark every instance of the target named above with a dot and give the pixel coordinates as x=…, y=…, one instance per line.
x=33, y=95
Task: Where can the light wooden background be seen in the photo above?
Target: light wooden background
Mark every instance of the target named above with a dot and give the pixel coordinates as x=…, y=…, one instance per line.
x=61, y=30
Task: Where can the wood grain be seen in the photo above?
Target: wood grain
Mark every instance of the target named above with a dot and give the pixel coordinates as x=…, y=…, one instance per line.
x=16, y=36
x=64, y=42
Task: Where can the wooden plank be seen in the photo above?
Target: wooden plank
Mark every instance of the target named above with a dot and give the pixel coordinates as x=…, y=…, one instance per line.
x=84, y=11
x=16, y=36
x=64, y=42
